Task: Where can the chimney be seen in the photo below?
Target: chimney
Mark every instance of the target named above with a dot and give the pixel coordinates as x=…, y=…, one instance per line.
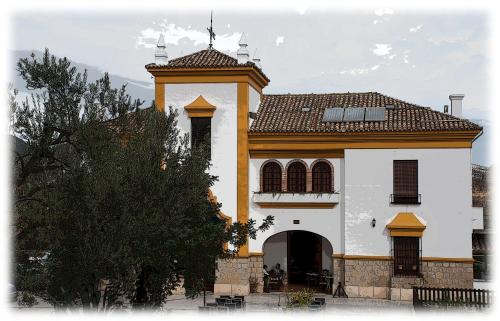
x=456, y=104
x=256, y=59
x=242, y=53
x=161, y=57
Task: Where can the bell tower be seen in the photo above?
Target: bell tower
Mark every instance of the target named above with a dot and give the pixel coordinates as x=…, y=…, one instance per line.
x=214, y=93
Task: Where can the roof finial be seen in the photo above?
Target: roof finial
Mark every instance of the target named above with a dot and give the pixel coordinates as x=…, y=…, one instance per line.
x=256, y=59
x=242, y=53
x=161, y=57
x=211, y=32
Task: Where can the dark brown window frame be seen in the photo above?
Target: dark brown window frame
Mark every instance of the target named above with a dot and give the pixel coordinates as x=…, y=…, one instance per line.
x=271, y=178
x=296, y=177
x=407, y=256
x=322, y=177
x=405, y=182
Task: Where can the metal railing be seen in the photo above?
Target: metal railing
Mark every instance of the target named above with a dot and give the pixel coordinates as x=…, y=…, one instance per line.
x=406, y=199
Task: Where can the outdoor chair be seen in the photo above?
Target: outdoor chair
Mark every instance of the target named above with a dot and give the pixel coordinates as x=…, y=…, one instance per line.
x=212, y=304
x=237, y=302
x=222, y=309
x=221, y=301
x=204, y=309
x=230, y=306
x=321, y=301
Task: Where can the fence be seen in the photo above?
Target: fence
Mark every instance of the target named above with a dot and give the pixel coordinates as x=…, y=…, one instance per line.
x=423, y=296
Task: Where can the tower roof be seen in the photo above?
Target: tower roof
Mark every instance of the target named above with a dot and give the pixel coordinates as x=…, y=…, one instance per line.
x=208, y=58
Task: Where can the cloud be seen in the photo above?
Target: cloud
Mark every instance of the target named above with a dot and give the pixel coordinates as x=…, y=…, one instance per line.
x=382, y=49
x=279, y=40
x=359, y=71
x=384, y=11
x=417, y=28
x=301, y=9
x=173, y=34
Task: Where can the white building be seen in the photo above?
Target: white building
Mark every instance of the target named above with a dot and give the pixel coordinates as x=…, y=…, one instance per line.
x=373, y=189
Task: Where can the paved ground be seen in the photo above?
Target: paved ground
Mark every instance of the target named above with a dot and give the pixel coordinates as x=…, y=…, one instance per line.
x=270, y=302
x=276, y=301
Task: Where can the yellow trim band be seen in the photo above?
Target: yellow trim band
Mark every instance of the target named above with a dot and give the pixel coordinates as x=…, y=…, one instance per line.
x=243, y=96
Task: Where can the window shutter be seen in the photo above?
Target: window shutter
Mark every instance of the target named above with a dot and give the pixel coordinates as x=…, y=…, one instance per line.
x=321, y=178
x=271, y=178
x=296, y=178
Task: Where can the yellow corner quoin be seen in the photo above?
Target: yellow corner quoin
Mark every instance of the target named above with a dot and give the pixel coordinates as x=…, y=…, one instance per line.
x=243, y=96
x=406, y=224
x=160, y=96
x=200, y=107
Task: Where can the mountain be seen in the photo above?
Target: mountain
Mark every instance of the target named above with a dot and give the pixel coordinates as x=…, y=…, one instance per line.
x=145, y=91
x=136, y=89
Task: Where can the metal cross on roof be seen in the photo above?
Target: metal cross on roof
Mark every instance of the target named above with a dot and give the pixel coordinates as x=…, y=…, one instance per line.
x=211, y=32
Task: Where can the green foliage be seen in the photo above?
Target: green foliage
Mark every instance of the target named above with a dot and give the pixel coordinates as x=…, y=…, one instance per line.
x=27, y=299
x=97, y=219
x=300, y=298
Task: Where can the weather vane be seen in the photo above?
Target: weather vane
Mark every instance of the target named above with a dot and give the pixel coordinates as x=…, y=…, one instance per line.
x=211, y=32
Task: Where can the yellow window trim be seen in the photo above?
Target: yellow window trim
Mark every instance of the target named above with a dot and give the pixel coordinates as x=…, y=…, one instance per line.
x=200, y=107
x=406, y=224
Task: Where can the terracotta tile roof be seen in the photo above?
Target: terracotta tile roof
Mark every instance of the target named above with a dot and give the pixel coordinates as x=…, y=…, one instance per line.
x=283, y=114
x=208, y=58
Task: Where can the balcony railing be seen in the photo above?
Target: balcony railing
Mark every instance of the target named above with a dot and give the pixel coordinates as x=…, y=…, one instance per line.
x=296, y=200
x=405, y=199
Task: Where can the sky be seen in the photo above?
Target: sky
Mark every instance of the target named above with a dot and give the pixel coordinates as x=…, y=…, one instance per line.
x=417, y=56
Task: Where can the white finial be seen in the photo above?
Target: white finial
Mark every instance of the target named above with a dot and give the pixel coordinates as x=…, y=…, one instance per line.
x=161, y=57
x=242, y=53
x=256, y=59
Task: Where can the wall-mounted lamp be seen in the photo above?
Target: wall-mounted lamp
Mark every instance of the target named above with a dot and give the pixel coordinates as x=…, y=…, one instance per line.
x=374, y=221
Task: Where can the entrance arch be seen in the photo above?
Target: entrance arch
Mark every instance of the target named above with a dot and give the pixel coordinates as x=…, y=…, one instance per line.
x=298, y=252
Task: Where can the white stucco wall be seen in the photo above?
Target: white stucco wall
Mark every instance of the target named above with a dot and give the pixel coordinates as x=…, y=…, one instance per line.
x=325, y=222
x=223, y=134
x=444, y=180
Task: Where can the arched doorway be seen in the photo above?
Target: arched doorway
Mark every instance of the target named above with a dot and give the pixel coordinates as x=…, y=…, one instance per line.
x=299, y=254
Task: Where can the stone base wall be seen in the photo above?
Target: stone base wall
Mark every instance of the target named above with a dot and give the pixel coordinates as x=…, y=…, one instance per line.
x=368, y=278
x=232, y=277
x=338, y=270
x=448, y=274
x=256, y=278
x=374, y=278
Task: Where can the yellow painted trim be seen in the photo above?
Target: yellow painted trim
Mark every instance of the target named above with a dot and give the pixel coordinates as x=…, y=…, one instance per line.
x=321, y=142
x=368, y=257
x=390, y=258
x=447, y=259
x=406, y=232
x=229, y=220
x=243, y=97
x=200, y=107
x=296, y=154
x=296, y=205
x=160, y=96
x=406, y=224
x=210, y=76
x=338, y=256
x=255, y=254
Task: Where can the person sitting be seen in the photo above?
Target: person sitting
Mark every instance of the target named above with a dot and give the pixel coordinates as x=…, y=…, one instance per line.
x=266, y=279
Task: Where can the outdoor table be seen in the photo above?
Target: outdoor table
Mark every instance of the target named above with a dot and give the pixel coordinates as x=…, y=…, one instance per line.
x=311, y=277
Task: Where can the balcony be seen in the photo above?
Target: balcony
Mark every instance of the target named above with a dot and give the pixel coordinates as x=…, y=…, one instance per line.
x=405, y=199
x=295, y=200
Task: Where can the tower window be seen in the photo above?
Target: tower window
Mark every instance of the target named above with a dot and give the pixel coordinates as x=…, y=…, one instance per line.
x=200, y=131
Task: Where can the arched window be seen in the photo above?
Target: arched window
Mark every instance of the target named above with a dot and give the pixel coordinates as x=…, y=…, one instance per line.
x=321, y=178
x=296, y=178
x=271, y=177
